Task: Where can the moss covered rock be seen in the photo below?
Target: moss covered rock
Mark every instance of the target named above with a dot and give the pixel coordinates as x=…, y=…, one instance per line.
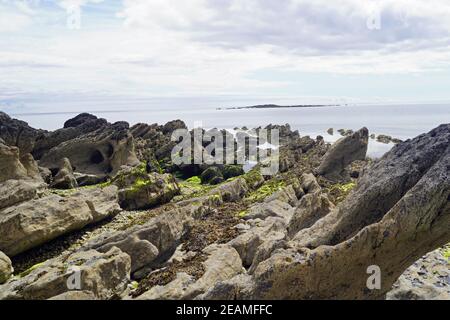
x=212, y=175
x=142, y=190
x=231, y=171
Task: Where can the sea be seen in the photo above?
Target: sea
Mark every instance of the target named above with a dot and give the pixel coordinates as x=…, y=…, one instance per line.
x=402, y=121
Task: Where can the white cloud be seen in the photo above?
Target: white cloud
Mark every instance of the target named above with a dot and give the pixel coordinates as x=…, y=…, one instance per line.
x=307, y=26
x=162, y=47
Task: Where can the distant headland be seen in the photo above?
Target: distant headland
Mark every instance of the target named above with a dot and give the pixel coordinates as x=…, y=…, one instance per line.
x=275, y=106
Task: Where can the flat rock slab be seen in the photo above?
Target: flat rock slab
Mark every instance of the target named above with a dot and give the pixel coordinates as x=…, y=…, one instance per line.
x=35, y=222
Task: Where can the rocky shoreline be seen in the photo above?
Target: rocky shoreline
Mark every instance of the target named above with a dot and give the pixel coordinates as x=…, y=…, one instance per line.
x=106, y=200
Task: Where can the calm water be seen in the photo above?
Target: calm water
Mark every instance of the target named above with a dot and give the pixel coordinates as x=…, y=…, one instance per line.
x=400, y=121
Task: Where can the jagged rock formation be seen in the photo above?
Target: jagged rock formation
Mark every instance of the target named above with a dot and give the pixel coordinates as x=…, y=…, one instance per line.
x=399, y=211
x=102, y=151
x=73, y=128
x=35, y=222
x=64, y=179
x=343, y=152
x=6, y=269
x=92, y=145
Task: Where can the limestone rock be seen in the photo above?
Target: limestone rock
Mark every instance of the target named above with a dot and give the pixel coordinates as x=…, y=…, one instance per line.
x=35, y=222
x=102, y=151
x=212, y=175
x=309, y=183
x=84, y=179
x=380, y=187
x=238, y=287
x=145, y=243
x=274, y=208
x=175, y=290
x=405, y=291
x=31, y=167
x=73, y=128
x=105, y=275
x=142, y=190
x=13, y=192
x=398, y=212
x=247, y=244
x=10, y=165
x=6, y=269
x=17, y=133
x=286, y=194
x=343, y=152
x=74, y=296
x=311, y=208
x=64, y=179
x=223, y=263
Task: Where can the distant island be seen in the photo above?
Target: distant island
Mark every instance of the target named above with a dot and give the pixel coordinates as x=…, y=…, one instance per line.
x=273, y=106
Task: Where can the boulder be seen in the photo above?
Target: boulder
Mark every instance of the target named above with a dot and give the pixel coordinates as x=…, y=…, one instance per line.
x=6, y=269
x=212, y=175
x=104, y=275
x=142, y=190
x=35, y=222
x=64, y=179
x=343, y=152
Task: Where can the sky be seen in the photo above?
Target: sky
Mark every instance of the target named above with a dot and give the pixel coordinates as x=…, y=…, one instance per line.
x=296, y=51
